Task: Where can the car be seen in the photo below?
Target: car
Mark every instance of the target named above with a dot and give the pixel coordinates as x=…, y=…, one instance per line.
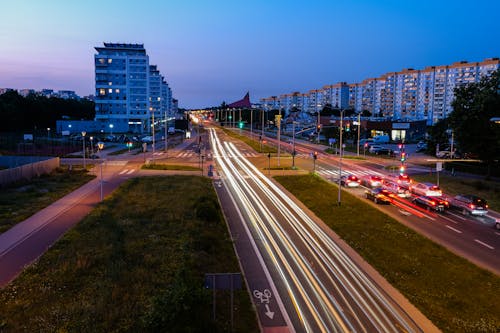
x=443, y=154
x=470, y=204
x=350, y=181
x=402, y=179
x=385, y=151
x=497, y=224
x=371, y=181
x=395, y=188
x=374, y=148
x=421, y=146
x=437, y=204
x=378, y=195
x=426, y=189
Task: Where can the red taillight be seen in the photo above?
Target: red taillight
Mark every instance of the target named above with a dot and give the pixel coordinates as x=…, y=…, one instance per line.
x=485, y=206
x=472, y=206
x=433, y=203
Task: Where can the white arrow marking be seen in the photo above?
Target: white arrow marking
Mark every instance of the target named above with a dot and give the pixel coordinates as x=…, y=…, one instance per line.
x=268, y=312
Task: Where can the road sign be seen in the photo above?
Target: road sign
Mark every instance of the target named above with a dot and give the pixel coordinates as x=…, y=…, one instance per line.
x=439, y=166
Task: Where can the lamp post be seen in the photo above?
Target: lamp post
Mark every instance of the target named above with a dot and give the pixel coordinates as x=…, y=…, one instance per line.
x=111, y=129
x=293, y=144
x=340, y=159
x=83, y=140
x=153, y=135
x=166, y=133
x=100, y=146
x=202, y=157
x=359, y=127
x=91, y=146
x=319, y=121
x=48, y=134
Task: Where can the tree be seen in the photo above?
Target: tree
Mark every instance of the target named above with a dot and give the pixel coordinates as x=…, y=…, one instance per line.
x=474, y=105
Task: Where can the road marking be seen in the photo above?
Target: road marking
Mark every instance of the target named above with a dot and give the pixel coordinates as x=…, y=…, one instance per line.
x=122, y=172
x=484, y=244
x=128, y=173
x=458, y=216
x=498, y=233
x=445, y=217
x=268, y=312
x=456, y=230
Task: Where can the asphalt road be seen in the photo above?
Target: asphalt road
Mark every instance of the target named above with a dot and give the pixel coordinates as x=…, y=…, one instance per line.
x=322, y=289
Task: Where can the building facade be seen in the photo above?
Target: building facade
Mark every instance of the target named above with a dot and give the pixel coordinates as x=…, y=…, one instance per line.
x=408, y=95
x=129, y=92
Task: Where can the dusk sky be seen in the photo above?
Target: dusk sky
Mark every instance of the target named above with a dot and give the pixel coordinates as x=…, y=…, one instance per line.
x=217, y=50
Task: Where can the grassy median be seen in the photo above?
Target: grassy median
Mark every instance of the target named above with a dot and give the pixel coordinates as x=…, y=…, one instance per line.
x=454, y=294
x=160, y=166
x=255, y=144
x=136, y=263
x=21, y=199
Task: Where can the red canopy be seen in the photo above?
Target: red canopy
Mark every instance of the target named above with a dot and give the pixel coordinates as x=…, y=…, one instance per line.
x=242, y=103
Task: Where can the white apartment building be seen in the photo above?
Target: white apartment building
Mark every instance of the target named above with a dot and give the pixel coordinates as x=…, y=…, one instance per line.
x=128, y=90
x=408, y=95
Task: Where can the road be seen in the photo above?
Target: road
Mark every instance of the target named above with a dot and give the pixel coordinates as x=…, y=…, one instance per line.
x=471, y=237
x=317, y=285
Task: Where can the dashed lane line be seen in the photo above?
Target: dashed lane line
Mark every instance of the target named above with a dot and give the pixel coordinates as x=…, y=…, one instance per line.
x=456, y=230
x=484, y=244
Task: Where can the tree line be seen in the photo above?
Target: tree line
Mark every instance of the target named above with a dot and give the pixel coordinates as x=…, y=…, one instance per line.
x=39, y=112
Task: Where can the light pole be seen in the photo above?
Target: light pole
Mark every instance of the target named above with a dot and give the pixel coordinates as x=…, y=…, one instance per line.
x=359, y=126
x=91, y=146
x=48, y=134
x=319, y=121
x=111, y=129
x=340, y=159
x=293, y=143
x=83, y=140
x=202, y=157
x=166, y=133
x=100, y=146
x=153, y=135
x=251, y=123
x=278, y=121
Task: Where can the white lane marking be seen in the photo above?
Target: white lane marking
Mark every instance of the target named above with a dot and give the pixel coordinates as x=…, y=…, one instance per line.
x=458, y=216
x=498, y=233
x=452, y=221
x=484, y=244
x=128, y=173
x=456, y=230
x=122, y=172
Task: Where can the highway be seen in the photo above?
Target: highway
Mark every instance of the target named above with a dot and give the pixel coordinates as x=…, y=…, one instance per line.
x=472, y=237
x=321, y=288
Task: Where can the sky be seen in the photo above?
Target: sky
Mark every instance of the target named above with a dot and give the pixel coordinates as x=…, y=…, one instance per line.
x=212, y=51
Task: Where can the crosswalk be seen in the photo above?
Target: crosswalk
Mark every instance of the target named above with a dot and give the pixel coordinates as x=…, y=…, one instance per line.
x=334, y=173
x=125, y=172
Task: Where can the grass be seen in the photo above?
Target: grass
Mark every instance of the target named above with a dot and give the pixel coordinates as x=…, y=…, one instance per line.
x=20, y=200
x=157, y=166
x=490, y=190
x=136, y=263
x=255, y=144
x=454, y=294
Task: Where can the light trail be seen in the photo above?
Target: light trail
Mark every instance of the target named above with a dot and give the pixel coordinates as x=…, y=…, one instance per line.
x=330, y=293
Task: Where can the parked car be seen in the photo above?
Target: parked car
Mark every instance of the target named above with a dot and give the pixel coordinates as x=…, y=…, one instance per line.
x=421, y=146
x=350, y=181
x=432, y=203
x=385, y=151
x=374, y=148
x=395, y=188
x=470, y=204
x=378, y=195
x=371, y=181
x=426, y=189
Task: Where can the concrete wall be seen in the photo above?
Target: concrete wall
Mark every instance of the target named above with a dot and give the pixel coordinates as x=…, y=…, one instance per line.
x=28, y=171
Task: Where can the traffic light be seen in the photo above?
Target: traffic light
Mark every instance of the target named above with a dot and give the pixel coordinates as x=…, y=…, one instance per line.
x=400, y=146
x=348, y=127
x=402, y=169
x=315, y=155
x=318, y=128
x=403, y=156
x=240, y=124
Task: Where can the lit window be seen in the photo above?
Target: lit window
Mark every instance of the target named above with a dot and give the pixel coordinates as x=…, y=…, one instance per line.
x=101, y=61
x=110, y=83
x=159, y=98
x=110, y=90
x=117, y=91
x=102, y=91
x=110, y=61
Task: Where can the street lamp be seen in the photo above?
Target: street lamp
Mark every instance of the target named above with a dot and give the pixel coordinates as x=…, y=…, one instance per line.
x=48, y=134
x=91, y=146
x=340, y=159
x=319, y=121
x=83, y=140
x=111, y=128
x=100, y=146
x=293, y=144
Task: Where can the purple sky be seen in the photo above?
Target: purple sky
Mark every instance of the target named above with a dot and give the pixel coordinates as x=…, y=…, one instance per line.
x=217, y=50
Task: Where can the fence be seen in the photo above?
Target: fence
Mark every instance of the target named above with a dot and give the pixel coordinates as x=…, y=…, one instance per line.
x=28, y=171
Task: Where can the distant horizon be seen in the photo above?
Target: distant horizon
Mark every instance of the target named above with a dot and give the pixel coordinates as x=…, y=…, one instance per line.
x=217, y=51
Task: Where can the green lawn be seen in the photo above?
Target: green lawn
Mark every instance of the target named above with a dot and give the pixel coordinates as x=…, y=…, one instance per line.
x=136, y=263
x=255, y=144
x=20, y=200
x=454, y=294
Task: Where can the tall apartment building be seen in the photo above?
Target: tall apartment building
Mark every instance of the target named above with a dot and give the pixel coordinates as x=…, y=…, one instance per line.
x=129, y=91
x=407, y=95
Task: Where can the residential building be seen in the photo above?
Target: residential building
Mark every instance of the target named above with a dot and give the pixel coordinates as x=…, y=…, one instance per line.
x=129, y=91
